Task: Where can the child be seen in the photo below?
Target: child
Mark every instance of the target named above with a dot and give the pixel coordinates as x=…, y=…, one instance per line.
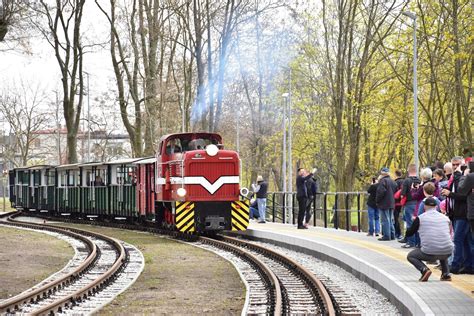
x=428, y=190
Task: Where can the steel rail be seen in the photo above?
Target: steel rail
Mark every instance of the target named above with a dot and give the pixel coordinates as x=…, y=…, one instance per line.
x=276, y=296
x=310, y=278
x=305, y=273
x=13, y=303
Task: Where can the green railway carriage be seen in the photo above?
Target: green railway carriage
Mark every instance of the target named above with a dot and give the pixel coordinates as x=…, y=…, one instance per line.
x=123, y=188
x=94, y=195
x=21, y=187
x=42, y=184
x=68, y=189
x=11, y=185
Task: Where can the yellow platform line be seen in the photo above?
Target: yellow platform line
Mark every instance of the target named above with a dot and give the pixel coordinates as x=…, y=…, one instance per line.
x=463, y=282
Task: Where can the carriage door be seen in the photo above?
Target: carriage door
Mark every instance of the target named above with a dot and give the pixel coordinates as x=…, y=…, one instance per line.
x=150, y=188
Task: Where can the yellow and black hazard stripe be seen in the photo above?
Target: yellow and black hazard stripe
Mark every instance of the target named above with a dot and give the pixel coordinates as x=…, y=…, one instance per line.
x=240, y=215
x=185, y=217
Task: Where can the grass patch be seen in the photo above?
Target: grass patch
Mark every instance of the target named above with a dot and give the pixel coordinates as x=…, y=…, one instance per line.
x=27, y=258
x=177, y=279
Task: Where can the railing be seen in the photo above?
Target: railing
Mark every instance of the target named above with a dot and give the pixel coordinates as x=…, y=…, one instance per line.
x=339, y=210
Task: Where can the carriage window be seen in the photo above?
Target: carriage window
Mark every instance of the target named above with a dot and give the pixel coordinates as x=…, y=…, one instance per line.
x=49, y=175
x=126, y=175
x=97, y=177
x=23, y=177
x=71, y=178
x=36, y=177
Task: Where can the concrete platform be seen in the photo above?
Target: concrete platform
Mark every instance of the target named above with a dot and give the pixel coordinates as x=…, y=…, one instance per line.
x=382, y=264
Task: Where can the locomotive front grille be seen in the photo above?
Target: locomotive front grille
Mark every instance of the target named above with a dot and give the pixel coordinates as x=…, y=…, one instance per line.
x=212, y=171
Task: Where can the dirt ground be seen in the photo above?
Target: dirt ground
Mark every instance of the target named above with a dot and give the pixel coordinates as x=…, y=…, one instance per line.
x=178, y=279
x=26, y=258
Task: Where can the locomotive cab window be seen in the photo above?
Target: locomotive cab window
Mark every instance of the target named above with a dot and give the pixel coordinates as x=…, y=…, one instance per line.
x=174, y=146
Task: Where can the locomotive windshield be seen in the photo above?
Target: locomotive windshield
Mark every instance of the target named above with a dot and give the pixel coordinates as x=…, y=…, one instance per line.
x=186, y=143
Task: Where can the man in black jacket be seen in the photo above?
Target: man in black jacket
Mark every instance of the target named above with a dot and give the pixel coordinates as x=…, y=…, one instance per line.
x=398, y=205
x=386, y=204
x=466, y=187
x=311, y=189
x=373, y=212
x=302, y=194
x=463, y=259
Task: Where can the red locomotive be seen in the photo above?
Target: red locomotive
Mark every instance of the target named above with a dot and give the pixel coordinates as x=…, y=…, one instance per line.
x=197, y=184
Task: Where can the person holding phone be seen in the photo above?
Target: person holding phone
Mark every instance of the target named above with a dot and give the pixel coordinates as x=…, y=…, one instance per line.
x=373, y=212
x=385, y=201
x=302, y=194
x=410, y=205
x=463, y=259
x=466, y=187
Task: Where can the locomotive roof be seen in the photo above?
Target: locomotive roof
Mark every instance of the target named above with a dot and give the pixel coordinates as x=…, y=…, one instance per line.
x=190, y=135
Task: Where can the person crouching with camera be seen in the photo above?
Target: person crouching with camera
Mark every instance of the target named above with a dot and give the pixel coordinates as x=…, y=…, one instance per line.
x=436, y=243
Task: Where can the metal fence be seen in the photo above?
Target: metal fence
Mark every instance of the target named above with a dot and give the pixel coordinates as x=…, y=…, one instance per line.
x=339, y=210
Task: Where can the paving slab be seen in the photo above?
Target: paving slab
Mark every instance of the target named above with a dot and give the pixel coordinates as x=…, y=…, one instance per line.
x=382, y=264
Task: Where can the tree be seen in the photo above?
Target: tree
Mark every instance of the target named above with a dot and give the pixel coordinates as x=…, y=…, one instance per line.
x=21, y=109
x=62, y=30
x=9, y=12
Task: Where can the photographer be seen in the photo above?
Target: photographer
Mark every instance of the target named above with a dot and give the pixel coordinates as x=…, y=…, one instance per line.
x=311, y=189
x=302, y=194
x=463, y=261
x=260, y=189
x=466, y=187
x=374, y=219
x=411, y=181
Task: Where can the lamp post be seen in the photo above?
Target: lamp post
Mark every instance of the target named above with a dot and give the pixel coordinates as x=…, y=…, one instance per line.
x=58, y=127
x=284, y=167
x=412, y=16
x=88, y=119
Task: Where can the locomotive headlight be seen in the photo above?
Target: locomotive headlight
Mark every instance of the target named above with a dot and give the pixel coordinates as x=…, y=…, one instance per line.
x=181, y=192
x=212, y=150
x=244, y=192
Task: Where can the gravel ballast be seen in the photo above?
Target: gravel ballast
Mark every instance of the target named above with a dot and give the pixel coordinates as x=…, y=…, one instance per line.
x=368, y=300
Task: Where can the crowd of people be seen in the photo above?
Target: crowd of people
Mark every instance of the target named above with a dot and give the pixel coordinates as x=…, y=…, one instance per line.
x=437, y=209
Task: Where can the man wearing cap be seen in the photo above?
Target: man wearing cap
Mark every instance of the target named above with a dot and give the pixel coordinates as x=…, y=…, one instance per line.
x=261, y=189
x=436, y=243
x=386, y=204
x=302, y=194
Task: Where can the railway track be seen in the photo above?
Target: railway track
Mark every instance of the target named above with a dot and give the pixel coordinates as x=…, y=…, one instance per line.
x=277, y=284
x=104, y=259
x=290, y=288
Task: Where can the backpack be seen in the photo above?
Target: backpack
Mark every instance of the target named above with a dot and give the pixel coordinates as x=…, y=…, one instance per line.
x=400, y=202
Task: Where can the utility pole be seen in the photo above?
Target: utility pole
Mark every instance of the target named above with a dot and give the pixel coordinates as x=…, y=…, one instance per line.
x=237, y=125
x=290, y=145
x=88, y=120
x=412, y=16
x=58, y=127
x=183, y=112
x=283, y=167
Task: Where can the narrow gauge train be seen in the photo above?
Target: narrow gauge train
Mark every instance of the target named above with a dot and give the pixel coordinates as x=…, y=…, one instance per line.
x=192, y=185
